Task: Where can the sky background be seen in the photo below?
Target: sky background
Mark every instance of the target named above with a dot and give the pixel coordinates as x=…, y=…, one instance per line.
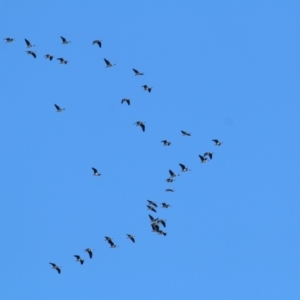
x=227, y=71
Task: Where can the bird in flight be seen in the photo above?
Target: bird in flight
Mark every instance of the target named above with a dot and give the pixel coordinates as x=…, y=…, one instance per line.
x=203, y=159
x=147, y=88
x=58, y=109
x=62, y=61
x=125, y=100
x=29, y=45
x=151, y=208
x=166, y=143
x=96, y=172
x=185, y=133
x=142, y=124
x=170, y=180
x=173, y=174
x=165, y=205
x=131, y=237
x=79, y=259
x=64, y=41
x=170, y=190
x=152, y=203
x=98, y=42
x=9, y=40
x=54, y=266
x=184, y=168
x=31, y=53
x=209, y=154
x=217, y=142
x=48, y=56
x=108, y=64
x=136, y=72
x=89, y=251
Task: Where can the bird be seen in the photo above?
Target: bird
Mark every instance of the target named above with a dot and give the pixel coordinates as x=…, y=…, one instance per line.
x=185, y=133
x=89, y=251
x=54, y=266
x=108, y=64
x=98, y=42
x=165, y=205
x=142, y=124
x=217, y=142
x=31, y=53
x=64, y=41
x=111, y=243
x=50, y=57
x=125, y=100
x=173, y=174
x=58, y=109
x=166, y=143
x=62, y=61
x=107, y=238
x=78, y=258
x=147, y=88
x=96, y=172
x=169, y=180
x=210, y=154
x=203, y=159
x=137, y=72
x=152, y=203
x=170, y=190
x=9, y=40
x=29, y=45
x=184, y=168
x=129, y=236
x=155, y=227
x=152, y=219
x=161, y=221
x=151, y=208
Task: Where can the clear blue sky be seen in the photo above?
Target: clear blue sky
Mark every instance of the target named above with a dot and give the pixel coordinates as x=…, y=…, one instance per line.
x=227, y=71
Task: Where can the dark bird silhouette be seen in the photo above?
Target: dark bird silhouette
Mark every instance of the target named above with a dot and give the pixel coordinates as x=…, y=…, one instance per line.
x=136, y=72
x=89, y=251
x=62, y=61
x=31, y=53
x=108, y=64
x=48, y=56
x=217, y=142
x=185, y=133
x=54, y=266
x=155, y=227
x=170, y=190
x=165, y=205
x=166, y=143
x=125, y=100
x=162, y=222
x=203, y=159
x=107, y=238
x=147, y=88
x=151, y=208
x=78, y=258
x=29, y=45
x=173, y=174
x=98, y=42
x=96, y=172
x=64, y=41
x=58, y=109
x=209, y=154
x=152, y=219
x=131, y=237
x=152, y=203
x=184, y=168
x=9, y=40
x=142, y=124
x=170, y=180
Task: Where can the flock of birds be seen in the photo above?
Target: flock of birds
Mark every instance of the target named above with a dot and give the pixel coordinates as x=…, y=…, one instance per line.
x=151, y=205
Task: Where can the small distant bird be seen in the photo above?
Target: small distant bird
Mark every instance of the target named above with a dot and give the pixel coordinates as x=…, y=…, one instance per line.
x=147, y=88
x=173, y=174
x=137, y=72
x=98, y=42
x=142, y=124
x=203, y=159
x=28, y=44
x=161, y=221
x=58, y=109
x=166, y=143
x=78, y=258
x=64, y=41
x=185, y=133
x=210, y=154
x=54, y=266
x=9, y=40
x=151, y=208
x=170, y=190
x=62, y=61
x=170, y=180
x=129, y=236
x=96, y=172
x=125, y=100
x=155, y=227
x=31, y=53
x=152, y=203
x=165, y=205
x=50, y=57
x=108, y=64
x=217, y=142
x=89, y=251
x=184, y=168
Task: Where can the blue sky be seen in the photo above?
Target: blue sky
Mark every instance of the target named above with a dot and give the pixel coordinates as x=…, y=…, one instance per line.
x=226, y=71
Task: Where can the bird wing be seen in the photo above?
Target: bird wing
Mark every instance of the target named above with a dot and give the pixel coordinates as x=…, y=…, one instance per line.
x=77, y=256
x=216, y=141
x=201, y=157
x=171, y=173
x=58, y=270
x=106, y=61
x=90, y=254
x=63, y=39
x=33, y=54
x=151, y=218
x=182, y=166
x=57, y=107
x=143, y=127
x=95, y=170
x=132, y=238
x=27, y=42
x=52, y=264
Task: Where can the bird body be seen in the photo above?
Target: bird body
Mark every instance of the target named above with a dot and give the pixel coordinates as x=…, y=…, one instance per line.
x=98, y=42
x=54, y=266
x=131, y=237
x=89, y=251
x=29, y=45
x=170, y=190
x=173, y=174
x=96, y=172
x=217, y=142
x=136, y=72
x=151, y=208
x=79, y=259
x=62, y=61
x=185, y=133
x=147, y=88
x=152, y=203
x=9, y=40
x=184, y=168
x=142, y=124
x=48, y=56
x=64, y=41
x=125, y=100
x=31, y=53
x=203, y=159
x=108, y=64
x=166, y=143
x=58, y=109
x=165, y=205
